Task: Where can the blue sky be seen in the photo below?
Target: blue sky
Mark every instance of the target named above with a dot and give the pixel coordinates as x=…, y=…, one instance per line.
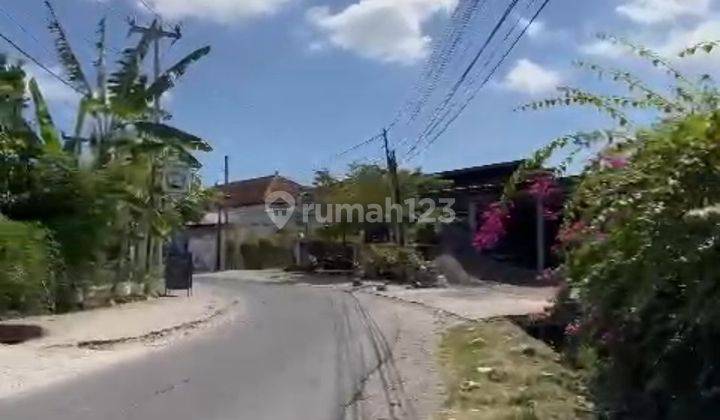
x=290, y=83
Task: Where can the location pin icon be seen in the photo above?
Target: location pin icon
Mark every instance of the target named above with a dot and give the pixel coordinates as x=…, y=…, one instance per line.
x=279, y=205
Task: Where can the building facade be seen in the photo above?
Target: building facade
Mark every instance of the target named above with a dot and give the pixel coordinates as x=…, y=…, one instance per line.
x=245, y=217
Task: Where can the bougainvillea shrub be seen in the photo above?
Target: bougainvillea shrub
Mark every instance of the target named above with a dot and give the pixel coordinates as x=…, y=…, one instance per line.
x=640, y=244
x=493, y=227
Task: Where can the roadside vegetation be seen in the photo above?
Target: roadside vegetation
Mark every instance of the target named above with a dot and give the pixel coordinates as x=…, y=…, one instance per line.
x=494, y=370
x=353, y=223
x=369, y=186
x=90, y=208
x=639, y=241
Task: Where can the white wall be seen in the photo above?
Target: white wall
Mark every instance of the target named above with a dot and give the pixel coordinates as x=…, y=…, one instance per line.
x=202, y=243
x=248, y=223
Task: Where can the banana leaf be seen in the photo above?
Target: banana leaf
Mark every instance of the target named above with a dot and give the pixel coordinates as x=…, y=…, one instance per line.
x=68, y=59
x=48, y=132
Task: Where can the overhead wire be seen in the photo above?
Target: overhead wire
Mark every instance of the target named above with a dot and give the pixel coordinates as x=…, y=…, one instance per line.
x=150, y=8
x=439, y=117
x=447, y=48
x=517, y=39
x=436, y=64
x=39, y=63
x=459, y=82
x=22, y=27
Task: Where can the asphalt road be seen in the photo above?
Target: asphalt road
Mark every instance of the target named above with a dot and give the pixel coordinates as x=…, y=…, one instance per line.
x=296, y=353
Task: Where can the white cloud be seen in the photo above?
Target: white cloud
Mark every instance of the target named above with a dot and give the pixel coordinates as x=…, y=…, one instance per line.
x=680, y=38
x=531, y=78
x=668, y=39
x=535, y=30
x=222, y=11
x=603, y=48
x=656, y=11
x=385, y=30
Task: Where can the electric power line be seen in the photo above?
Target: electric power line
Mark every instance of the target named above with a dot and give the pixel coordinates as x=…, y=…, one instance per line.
x=357, y=146
x=157, y=14
x=484, y=82
x=147, y=6
x=445, y=109
x=453, y=91
x=40, y=64
x=14, y=20
x=443, y=54
x=438, y=62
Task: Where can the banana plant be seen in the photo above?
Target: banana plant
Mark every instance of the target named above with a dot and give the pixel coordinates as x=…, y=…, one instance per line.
x=125, y=97
x=13, y=89
x=117, y=121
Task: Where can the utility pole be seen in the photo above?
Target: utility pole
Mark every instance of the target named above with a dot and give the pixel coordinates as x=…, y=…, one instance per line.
x=540, y=234
x=391, y=161
x=225, y=213
x=222, y=211
x=218, y=232
x=156, y=32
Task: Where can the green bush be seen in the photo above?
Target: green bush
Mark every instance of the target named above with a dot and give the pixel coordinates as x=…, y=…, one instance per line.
x=27, y=259
x=78, y=206
x=390, y=261
x=265, y=254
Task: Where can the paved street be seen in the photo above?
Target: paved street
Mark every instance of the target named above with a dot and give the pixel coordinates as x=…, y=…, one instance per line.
x=297, y=353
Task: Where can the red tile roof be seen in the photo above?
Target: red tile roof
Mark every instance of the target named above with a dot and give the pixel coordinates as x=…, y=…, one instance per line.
x=253, y=191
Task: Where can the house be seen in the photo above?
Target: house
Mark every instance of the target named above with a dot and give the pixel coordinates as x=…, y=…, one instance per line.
x=474, y=189
x=245, y=217
x=251, y=205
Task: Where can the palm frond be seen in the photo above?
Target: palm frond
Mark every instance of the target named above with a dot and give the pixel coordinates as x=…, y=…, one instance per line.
x=167, y=80
x=48, y=132
x=68, y=59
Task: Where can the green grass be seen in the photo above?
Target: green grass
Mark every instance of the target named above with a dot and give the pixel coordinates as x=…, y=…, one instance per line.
x=494, y=370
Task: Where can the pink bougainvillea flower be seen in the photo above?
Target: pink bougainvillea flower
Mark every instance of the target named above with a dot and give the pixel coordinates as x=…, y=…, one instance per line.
x=572, y=329
x=546, y=189
x=493, y=227
x=571, y=233
x=615, y=161
x=543, y=187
